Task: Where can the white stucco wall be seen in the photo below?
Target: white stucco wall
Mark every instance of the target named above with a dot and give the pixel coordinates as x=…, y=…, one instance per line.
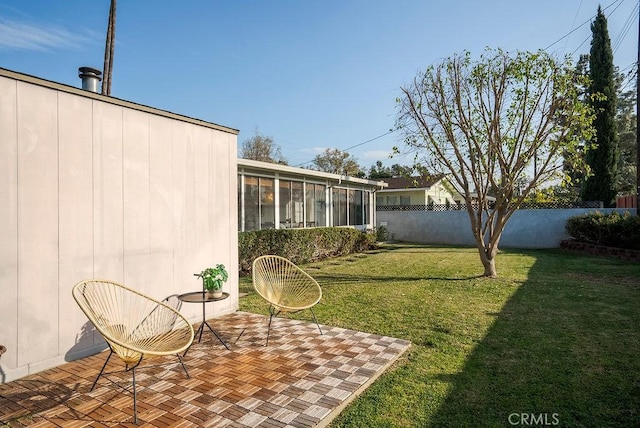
x=94, y=187
x=525, y=229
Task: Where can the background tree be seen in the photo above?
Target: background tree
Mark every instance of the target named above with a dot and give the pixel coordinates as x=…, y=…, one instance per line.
x=626, y=125
x=482, y=122
x=379, y=171
x=626, y=128
x=337, y=162
x=603, y=160
x=262, y=148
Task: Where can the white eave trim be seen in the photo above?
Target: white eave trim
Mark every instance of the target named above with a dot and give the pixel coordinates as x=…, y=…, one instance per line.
x=273, y=167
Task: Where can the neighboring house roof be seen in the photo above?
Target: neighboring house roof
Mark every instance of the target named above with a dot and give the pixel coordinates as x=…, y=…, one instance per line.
x=413, y=183
x=403, y=183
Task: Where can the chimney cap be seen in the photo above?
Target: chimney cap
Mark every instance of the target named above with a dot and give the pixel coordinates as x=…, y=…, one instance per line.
x=89, y=72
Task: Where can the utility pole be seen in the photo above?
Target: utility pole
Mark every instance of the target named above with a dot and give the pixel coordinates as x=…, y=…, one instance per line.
x=108, y=50
x=638, y=122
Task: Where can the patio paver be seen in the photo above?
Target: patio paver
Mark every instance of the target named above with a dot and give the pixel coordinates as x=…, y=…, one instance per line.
x=301, y=379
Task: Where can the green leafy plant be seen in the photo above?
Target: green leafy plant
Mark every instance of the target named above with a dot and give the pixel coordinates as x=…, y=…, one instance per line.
x=302, y=245
x=612, y=229
x=214, y=278
x=382, y=234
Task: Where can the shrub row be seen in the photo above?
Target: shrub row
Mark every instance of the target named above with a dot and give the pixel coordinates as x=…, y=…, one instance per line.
x=612, y=230
x=601, y=250
x=302, y=245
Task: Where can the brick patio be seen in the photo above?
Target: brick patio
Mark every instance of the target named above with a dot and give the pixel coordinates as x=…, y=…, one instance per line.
x=301, y=379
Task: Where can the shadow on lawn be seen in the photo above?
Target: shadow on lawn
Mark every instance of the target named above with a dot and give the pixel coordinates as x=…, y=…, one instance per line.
x=561, y=353
x=327, y=280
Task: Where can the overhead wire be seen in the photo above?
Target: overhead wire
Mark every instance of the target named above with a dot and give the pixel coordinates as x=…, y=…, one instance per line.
x=356, y=145
x=631, y=78
x=617, y=44
x=630, y=75
x=609, y=15
x=583, y=24
x=625, y=28
x=573, y=24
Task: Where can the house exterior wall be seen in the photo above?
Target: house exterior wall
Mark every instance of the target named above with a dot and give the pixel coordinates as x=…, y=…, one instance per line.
x=94, y=187
x=525, y=229
x=416, y=197
x=437, y=194
x=274, y=174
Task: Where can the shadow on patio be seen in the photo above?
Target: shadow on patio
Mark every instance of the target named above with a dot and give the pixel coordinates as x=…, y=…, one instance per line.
x=302, y=379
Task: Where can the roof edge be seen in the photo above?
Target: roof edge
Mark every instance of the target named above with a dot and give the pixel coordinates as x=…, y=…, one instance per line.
x=112, y=100
x=250, y=163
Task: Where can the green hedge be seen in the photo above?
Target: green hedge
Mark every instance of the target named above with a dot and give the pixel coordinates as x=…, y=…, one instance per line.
x=612, y=230
x=302, y=245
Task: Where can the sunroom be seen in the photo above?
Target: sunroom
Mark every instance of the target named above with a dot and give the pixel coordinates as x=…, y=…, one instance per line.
x=274, y=196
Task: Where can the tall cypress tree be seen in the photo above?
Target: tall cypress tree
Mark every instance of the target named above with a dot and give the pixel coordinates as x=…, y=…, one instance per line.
x=603, y=160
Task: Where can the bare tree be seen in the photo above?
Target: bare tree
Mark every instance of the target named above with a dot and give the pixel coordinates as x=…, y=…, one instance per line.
x=262, y=148
x=486, y=122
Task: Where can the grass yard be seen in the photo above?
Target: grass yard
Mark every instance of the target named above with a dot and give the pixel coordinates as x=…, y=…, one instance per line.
x=554, y=340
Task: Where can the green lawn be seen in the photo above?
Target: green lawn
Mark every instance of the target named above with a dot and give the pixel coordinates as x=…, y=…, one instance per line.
x=557, y=335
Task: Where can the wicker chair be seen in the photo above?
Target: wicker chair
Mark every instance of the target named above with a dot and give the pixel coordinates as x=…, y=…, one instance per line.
x=134, y=325
x=285, y=286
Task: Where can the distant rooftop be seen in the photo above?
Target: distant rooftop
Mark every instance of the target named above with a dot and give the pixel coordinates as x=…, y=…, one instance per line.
x=423, y=182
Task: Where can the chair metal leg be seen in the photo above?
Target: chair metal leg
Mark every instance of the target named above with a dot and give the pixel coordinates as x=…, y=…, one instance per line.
x=183, y=366
x=133, y=375
x=102, y=370
x=314, y=318
x=135, y=406
x=269, y=328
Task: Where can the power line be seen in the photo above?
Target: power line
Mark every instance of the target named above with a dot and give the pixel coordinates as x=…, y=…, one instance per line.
x=357, y=145
x=583, y=24
x=630, y=78
x=583, y=42
x=619, y=39
x=625, y=28
x=589, y=36
x=572, y=24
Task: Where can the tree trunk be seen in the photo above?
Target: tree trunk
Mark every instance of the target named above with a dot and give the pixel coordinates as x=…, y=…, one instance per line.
x=489, y=262
x=490, y=268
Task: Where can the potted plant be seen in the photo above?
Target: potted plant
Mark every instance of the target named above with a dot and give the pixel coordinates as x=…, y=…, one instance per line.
x=213, y=279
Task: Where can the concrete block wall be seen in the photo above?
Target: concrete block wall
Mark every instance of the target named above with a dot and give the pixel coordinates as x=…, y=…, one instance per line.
x=95, y=187
x=525, y=229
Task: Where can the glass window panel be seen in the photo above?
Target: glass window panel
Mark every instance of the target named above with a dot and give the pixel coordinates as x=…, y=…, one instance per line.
x=239, y=204
x=310, y=205
x=251, y=204
x=365, y=207
x=320, y=206
x=358, y=215
x=267, y=204
x=297, y=204
x=285, y=204
x=339, y=207
x=351, y=210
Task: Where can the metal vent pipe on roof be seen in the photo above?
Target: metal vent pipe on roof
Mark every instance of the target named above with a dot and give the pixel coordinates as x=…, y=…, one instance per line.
x=90, y=78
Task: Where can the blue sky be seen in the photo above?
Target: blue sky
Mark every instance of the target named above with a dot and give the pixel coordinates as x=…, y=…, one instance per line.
x=311, y=74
